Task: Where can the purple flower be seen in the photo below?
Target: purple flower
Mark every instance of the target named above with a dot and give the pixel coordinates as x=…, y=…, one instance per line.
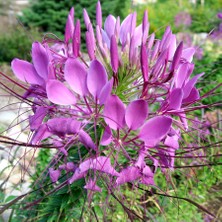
x=183, y=19
x=125, y=104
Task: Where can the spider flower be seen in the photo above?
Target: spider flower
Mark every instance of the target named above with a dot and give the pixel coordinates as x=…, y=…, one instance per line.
x=122, y=107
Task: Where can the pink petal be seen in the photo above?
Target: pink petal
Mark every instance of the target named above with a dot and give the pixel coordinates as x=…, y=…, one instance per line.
x=138, y=35
x=59, y=94
x=114, y=54
x=76, y=176
x=105, y=92
x=129, y=174
x=136, y=114
x=145, y=20
x=181, y=75
x=103, y=164
x=40, y=59
x=77, y=39
x=188, y=54
x=91, y=185
x=172, y=46
x=126, y=28
x=155, y=129
x=175, y=99
x=96, y=78
x=75, y=75
x=190, y=84
x=109, y=25
x=86, y=140
x=177, y=57
x=86, y=18
x=69, y=29
x=89, y=46
x=99, y=14
x=26, y=72
x=54, y=175
x=194, y=95
x=114, y=113
x=105, y=38
x=61, y=126
x=36, y=120
x=172, y=141
x=144, y=62
x=41, y=134
x=106, y=137
x=148, y=181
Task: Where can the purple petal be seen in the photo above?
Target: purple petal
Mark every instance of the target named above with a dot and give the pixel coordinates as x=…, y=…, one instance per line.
x=166, y=33
x=114, y=113
x=105, y=92
x=194, y=95
x=155, y=50
x=181, y=75
x=36, y=120
x=54, y=175
x=51, y=71
x=138, y=35
x=89, y=46
x=69, y=29
x=105, y=38
x=106, y=137
x=86, y=140
x=151, y=41
x=86, y=18
x=77, y=39
x=144, y=62
x=109, y=25
x=172, y=141
x=41, y=134
x=98, y=15
x=136, y=114
x=175, y=99
x=148, y=181
x=172, y=46
x=91, y=185
x=114, y=54
x=76, y=176
x=96, y=78
x=126, y=28
x=99, y=35
x=76, y=75
x=132, y=50
x=26, y=72
x=103, y=164
x=176, y=57
x=59, y=94
x=40, y=59
x=155, y=129
x=145, y=20
x=117, y=27
x=188, y=54
x=147, y=172
x=190, y=84
x=127, y=175
x=61, y=126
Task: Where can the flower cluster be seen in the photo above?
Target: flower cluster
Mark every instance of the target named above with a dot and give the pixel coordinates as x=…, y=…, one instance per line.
x=124, y=103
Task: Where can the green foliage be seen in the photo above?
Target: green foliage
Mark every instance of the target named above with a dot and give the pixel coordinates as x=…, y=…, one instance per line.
x=51, y=15
x=211, y=78
x=162, y=13
x=16, y=43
